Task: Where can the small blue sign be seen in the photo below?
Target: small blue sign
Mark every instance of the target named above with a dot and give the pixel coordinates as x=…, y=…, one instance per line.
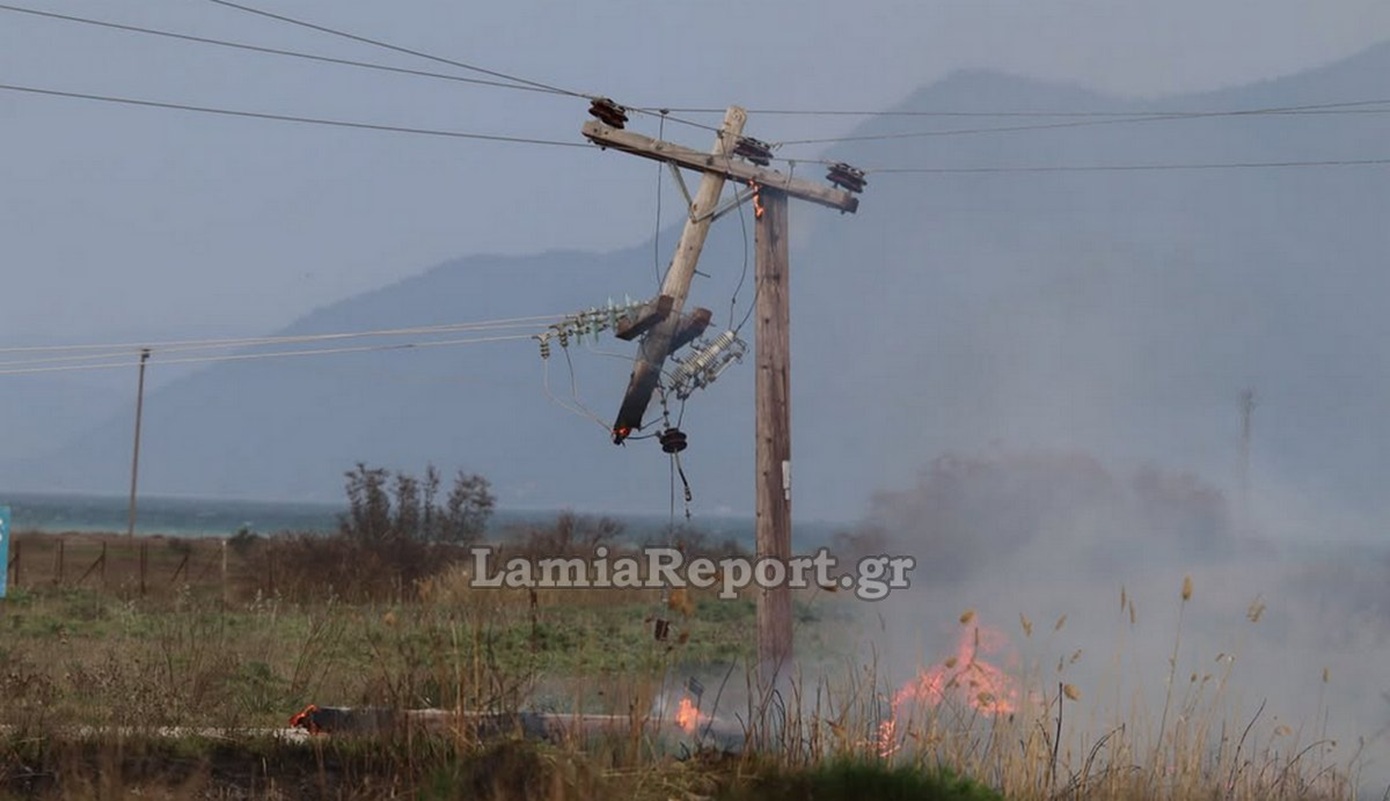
x=4, y=549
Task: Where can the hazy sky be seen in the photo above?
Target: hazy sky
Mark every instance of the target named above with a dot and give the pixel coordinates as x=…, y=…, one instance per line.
x=121, y=221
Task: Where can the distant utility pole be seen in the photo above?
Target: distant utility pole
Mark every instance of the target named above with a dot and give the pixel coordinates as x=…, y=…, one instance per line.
x=135, y=451
x=1247, y=410
x=666, y=331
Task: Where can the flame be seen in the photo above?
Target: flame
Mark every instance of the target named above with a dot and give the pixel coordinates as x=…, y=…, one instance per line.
x=757, y=199
x=688, y=717
x=963, y=677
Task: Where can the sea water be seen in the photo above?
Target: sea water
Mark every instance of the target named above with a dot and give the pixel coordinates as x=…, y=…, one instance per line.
x=220, y=517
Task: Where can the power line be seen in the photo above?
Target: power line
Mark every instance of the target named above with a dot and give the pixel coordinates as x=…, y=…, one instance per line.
x=558, y=143
x=867, y=113
x=271, y=50
x=397, y=48
x=293, y=118
x=522, y=82
x=272, y=355
x=1239, y=165
x=532, y=86
x=1325, y=108
x=525, y=87
x=249, y=341
x=96, y=357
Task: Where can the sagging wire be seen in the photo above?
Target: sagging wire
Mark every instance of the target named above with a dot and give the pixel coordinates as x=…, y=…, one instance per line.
x=743, y=274
x=574, y=388
x=578, y=408
x=589, y=346
x=743, y=224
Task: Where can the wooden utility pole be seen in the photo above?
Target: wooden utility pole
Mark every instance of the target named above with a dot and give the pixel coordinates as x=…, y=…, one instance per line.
x=135, y=451
x=769, y=190
x=657, y=344
x=774, y=437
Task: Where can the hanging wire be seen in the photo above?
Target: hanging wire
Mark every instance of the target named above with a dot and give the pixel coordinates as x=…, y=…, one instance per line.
x=743, y=273
x=757, y=287
x=545, y=379
x=574, y=390
x=656, y=236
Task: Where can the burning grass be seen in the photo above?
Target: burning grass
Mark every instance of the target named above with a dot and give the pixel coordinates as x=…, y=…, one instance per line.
x=1028, y=729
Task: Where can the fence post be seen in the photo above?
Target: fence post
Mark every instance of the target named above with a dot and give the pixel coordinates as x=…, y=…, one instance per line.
x=58, y=557
x=14, y=564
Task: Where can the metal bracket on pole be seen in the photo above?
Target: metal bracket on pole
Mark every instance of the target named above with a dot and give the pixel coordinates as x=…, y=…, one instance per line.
x=680, y=182
x=732, y=203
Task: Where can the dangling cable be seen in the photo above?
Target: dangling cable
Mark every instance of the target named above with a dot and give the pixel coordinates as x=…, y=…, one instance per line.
x=676, y=459
x=578, y=408
x=673, y=441
x=656, y=237
x=743, y=224
x=574, y=387
x=545, y=380
x=743, y=274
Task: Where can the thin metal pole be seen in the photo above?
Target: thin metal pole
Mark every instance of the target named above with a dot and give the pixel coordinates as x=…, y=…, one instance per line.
x=135, y=453
x=1247, y=408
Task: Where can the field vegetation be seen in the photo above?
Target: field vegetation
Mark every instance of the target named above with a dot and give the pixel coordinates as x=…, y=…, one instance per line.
x=167, y=668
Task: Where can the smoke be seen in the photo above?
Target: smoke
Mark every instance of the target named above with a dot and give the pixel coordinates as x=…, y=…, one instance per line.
x=1083, y=567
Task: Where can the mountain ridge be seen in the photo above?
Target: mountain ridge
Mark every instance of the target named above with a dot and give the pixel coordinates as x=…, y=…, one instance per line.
x=963, y=309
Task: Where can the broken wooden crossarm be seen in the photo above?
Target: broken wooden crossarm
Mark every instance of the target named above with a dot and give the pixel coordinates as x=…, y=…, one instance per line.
x=635, y=324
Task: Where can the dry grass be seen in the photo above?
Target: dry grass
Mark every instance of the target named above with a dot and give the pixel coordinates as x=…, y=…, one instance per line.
x=1049, y=748
x=209, y=654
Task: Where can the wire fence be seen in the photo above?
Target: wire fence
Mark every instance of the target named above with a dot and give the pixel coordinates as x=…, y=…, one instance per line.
x=139, y=566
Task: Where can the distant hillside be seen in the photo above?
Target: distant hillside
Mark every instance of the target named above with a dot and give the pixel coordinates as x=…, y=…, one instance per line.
x=1117, y=312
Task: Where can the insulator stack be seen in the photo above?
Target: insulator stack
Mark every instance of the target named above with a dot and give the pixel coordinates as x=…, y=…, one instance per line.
x=847, y=177
x=545, y=345
x=591, y=322
x=755, y=150
x=608, y=112
x=701, y=369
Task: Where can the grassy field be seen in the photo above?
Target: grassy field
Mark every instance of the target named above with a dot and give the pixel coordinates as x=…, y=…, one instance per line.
x=226, y=641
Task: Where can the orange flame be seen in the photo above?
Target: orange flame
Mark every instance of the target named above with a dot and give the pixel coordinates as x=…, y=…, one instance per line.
x=757, y=199
x=687, y=716
x=964, y=677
